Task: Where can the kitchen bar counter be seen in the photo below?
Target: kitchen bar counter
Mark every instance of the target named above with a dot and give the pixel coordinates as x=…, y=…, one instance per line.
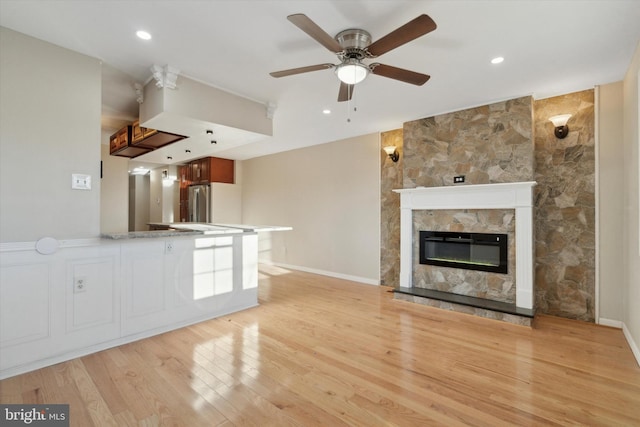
x=80, y=296
x=167, y=229
x=149, y=234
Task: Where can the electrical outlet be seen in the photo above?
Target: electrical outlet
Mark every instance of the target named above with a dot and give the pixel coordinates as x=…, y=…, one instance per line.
x=79, y=284
x=458, y=179
x=168, y=247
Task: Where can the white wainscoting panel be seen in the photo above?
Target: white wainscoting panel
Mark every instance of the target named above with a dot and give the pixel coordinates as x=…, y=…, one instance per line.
x=133, y=289
x=179, y=271
x=24, y=303
x=95, y=305
x=145, y=292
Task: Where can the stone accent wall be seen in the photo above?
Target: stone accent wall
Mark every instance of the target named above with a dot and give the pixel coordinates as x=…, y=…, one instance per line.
x=390, y=179
x=565, y=208
x=488, y=144
x=480, y=284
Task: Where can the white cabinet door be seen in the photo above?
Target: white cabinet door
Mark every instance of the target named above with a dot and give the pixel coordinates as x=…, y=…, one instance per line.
x=144, y=291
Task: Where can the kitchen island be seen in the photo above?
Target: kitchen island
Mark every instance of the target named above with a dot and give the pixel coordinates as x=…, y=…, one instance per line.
x=80, y=296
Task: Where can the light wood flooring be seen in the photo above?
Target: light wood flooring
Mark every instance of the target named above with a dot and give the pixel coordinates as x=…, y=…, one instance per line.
x=320, y=351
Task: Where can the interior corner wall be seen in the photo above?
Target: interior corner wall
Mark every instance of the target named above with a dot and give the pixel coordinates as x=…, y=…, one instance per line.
x=50, y=129
x=330, y=195
x=155, y=195
x=610, y=201
x=114, y=193
x=139, y=202
x=631, y=189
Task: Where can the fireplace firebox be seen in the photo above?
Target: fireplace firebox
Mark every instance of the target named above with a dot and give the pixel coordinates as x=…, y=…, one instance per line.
x=471, y=251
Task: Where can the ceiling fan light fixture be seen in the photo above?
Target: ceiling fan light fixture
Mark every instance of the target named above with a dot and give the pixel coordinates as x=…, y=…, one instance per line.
x=352, y=71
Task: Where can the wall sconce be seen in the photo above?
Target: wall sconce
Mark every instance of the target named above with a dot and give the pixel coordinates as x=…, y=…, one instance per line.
x=392, y=152
x=560, y=122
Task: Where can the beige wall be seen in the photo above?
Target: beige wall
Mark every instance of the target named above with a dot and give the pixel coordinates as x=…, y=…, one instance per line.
x=330, y=195
x=114, y=193
x=226, y=203
x=610, y=202
x=631, y=292
x=50, y=113
x=139, y=202
x=155, y=195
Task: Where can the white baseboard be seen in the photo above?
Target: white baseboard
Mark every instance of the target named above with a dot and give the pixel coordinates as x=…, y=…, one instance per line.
x=611, y=323
x=627, y=334
x=358, y=279
x=634, y=347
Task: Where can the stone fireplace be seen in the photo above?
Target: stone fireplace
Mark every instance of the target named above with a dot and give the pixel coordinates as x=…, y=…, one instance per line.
x=504, y=209
x=507, y=141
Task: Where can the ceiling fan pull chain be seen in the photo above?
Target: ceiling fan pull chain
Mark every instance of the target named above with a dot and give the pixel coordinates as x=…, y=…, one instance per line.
x=349, y=104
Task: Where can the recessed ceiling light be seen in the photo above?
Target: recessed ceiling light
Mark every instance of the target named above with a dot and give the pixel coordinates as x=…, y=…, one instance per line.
x=140, y=170
x=326, y=111
x=497, y=60
x=143, y=35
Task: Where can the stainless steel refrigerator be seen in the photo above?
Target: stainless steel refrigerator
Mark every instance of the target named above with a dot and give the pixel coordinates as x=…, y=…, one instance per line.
x=199, y=203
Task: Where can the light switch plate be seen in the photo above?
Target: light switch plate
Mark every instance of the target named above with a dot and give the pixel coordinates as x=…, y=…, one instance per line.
x=80, y=181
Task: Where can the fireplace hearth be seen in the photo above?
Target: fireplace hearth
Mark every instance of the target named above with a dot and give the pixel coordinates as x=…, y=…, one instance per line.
x=517, y=196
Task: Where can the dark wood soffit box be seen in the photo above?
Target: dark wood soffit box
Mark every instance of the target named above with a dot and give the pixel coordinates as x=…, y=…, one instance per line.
x=158, y=139
x=132, y=140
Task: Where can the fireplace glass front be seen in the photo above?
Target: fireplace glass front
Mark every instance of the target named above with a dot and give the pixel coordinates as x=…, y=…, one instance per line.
x=471, y=251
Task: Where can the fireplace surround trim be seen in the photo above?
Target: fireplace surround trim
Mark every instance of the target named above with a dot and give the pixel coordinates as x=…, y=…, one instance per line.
x=513, y=195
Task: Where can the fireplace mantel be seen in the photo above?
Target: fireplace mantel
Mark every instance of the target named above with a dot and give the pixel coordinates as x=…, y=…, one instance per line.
x=513, y=195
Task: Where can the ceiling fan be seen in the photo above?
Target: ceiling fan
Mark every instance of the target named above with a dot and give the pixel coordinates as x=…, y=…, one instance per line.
x=354, y=45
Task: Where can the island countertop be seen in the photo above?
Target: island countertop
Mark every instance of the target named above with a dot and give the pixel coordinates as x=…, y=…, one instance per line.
x=162, y=229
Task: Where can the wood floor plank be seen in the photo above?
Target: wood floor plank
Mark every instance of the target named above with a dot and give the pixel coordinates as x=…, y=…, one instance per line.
x=105, y=383
x=11, y=390
x=322, y=351
x=91, y=396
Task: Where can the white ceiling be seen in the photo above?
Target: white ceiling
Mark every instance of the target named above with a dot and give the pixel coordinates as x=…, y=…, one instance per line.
x=551, y=47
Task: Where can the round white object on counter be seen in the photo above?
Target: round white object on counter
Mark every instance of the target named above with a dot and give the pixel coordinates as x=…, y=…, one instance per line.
x=47, y=245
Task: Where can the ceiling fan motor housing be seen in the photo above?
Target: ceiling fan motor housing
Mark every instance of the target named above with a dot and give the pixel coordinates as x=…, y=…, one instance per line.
x=354, y=42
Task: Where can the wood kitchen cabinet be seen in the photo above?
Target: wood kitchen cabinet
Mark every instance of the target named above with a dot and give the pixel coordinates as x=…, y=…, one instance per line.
x=203, y=171
x=212, y=169
x=135, y=140
x=221, y=170
x=120, y=144
x=151, y=138
x=200, y=171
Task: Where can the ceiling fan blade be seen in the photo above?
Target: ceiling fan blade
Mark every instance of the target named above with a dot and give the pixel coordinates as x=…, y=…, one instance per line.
x=300, y=70
x=303, y=22
x=420, y=26
x=401, y=74
x=346, y=92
